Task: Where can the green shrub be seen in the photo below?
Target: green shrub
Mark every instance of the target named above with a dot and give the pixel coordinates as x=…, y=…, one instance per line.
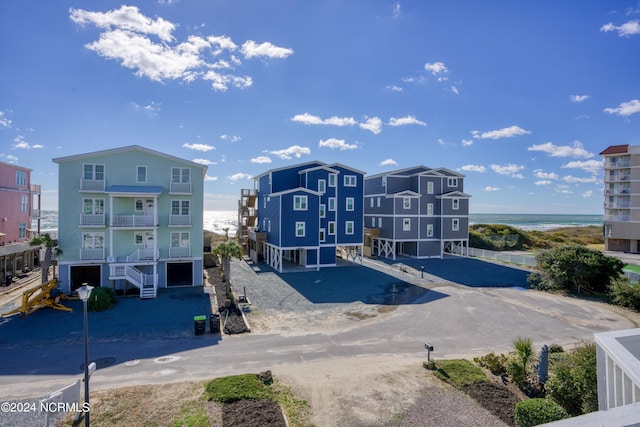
x=497, y=364
x=459, y=372
x=625, y=294
x=516, y=372
x=533, y=412
x=237, y=387
x=556, y=348
x=101, y=299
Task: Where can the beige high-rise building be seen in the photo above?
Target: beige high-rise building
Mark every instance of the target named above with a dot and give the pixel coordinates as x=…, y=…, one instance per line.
x=622, y=198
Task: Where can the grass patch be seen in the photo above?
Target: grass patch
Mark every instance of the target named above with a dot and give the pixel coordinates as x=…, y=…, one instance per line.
x=459, y=372
x=192, y=414
x=298, y=411
x=237, y=387
x=632, y=267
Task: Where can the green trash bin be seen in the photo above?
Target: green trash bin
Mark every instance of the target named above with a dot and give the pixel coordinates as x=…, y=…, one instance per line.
x=199, y=324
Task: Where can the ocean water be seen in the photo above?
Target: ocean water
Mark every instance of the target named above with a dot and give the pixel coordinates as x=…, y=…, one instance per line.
x=217, y=221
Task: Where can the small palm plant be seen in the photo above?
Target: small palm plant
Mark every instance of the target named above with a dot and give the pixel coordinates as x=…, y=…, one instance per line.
x=225, y=251
x=51, y=248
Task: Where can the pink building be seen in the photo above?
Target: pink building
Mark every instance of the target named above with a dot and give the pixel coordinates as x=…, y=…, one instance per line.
x=16, y=213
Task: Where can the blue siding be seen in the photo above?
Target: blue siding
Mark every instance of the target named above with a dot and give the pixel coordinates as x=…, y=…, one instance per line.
x=310, y=217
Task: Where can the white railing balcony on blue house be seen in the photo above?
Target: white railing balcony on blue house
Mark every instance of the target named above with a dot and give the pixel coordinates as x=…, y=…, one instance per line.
x=180, y=188
x=183, y=252
x=617, y=218
x=144, y=254
x=92, y=184
x=121, y=220
x=180, y=220
x=92, y=220
x=617, y=205
x=92, y=254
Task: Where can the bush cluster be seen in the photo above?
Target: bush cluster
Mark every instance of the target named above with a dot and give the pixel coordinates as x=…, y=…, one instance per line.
x=533, y=412
x=624, y=293
x=101, y=299
x=496, y=364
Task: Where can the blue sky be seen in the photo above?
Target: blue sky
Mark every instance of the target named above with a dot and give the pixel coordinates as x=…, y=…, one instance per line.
x=518, y=96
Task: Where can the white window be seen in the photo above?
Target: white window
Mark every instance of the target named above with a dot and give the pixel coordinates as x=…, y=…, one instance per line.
x=322, y=234
x=21, y=178
x=379, y=222
x=93, y=206
x=332, y=228
x=300, y=229
x=332, y=203
x=264, y=203
x=93, y=172
x=350, y=202
x=371, y=201
x=406, y=202
x=406, y=224
x=138, y=238
x=139, y=205
x=373, y=222
x=378, y=203
x=455, y=224
x=182, y=175
x=452, y=182
x=430, y=187
x=269, y=226
x=429, y=208
x=332, y=180
x=180, y=239
x=348, y=227
x=350, y=180
x=22, y=230
x=322, y=185
x=384, y=181
x=92, y=240
x=180, y=207
x=455, y=204
x=24, y=205
x=429, y=230
x=141, y=174
x=299, y=203
x=323, y=210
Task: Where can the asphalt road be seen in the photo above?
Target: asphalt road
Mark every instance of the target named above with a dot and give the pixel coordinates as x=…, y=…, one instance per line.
x=153, y=341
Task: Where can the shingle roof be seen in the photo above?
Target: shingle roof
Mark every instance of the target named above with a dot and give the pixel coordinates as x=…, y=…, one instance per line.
x=615, y=149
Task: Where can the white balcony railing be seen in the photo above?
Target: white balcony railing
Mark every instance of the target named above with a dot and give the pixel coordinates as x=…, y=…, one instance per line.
x=183, y=252
x=91, y=254
x=179, y=219
x=145, y=254
x=180, y=188
x=133, y=221
x=617, y=164
x=92, y=184
x=96, y=220
x=618, y=363
x=619, y=218
x=617, y=205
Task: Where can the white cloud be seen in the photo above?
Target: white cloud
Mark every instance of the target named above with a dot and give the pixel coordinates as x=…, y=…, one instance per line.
x=509, y=132
x=372, y=124
x=203, y=162
x=625, y=109
x=230, y=138
x=455, y=90
x=587, y=194
x=261, y=159
x=210, y=178
x=474, y=168
x=19, y=142
x=388, y=162
x=403, y=121
x=199, y=147
x=435, y=68
x=564, y=189
x=592, y=166
x=4, y=122
x=293, y=151
x=148, y=47
x=575, y=179
x=489, y=188
x=395, y=88
x=9, y=158
x=578, y=98
x=252, y=49
x=334, y=143
x=151, y=110
x=310, y=119
x=239, y=176
x=467, y=142
x=574, y=150
x=396, y=10
x=539, y=173
x=509, y=169
x=627, y=29
x=543, y=182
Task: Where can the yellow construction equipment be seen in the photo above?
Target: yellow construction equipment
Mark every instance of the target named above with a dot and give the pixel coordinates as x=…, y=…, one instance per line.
x=38, y=297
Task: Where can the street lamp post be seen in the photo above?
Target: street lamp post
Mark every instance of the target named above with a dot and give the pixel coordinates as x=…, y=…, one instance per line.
x=83, y=292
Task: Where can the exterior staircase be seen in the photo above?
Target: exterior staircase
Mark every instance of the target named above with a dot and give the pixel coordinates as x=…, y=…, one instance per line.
x=145, y=282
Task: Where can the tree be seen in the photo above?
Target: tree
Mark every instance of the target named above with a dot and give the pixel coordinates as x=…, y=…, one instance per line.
x=51, y=247
x=576, y=267
x=224, y=252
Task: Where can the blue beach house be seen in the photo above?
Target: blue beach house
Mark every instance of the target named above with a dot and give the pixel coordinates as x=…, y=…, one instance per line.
x=130, y=218
x=309, y=213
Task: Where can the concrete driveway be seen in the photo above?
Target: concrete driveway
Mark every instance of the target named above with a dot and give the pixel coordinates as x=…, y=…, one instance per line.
x=375, y=309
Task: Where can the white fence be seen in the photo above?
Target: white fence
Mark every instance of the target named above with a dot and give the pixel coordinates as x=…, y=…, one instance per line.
x=508, y=257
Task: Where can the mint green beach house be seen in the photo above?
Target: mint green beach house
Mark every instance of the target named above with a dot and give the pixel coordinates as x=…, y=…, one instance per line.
x=130, y=218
